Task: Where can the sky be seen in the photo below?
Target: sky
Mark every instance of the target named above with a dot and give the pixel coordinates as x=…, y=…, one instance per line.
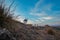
x=37, y=11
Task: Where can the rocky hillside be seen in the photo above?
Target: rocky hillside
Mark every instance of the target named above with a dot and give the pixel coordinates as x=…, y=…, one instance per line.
x=35, y=33
x=24, y=32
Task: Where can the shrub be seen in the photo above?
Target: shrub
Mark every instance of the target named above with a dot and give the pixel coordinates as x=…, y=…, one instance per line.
x=51, y=32
x=5, y=15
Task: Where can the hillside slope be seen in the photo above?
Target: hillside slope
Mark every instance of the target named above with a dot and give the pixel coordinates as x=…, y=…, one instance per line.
x=35, y=33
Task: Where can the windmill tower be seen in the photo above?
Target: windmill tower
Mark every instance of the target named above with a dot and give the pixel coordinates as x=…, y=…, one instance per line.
x=25, y=21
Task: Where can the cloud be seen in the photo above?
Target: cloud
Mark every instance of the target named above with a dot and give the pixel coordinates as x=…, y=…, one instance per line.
x=37, y=6
x=48, y=18
x=38, y=21
x=43, y=19
x=20, y=18
x=41, y=6
x=40, y=10
x=45, y=13
x=39, y=14
x=30, y=22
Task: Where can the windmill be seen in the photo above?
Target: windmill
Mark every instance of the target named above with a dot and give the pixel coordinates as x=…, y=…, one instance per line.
x=25, y=21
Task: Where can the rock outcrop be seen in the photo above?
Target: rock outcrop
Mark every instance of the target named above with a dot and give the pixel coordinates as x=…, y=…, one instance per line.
x=6, y=35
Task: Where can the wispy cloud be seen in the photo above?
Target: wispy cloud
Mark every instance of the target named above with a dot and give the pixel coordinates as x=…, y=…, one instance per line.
x=48, y=18
x=37, y=6
x=30, y=22
x=39, y=14
x=40, y=11
x=20, y=18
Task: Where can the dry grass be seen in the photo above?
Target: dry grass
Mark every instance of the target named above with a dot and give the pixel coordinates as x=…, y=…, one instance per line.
x=6, y=16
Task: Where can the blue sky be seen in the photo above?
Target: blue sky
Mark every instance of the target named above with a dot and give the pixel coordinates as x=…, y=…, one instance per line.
x=38, y=11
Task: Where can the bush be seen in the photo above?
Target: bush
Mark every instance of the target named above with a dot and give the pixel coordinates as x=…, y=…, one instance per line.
x=5, y=15
x=51, y=32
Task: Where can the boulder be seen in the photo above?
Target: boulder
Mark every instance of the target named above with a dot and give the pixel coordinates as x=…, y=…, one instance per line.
x=6, y=35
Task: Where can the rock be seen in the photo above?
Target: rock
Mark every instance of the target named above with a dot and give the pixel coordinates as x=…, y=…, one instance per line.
x=6, y=35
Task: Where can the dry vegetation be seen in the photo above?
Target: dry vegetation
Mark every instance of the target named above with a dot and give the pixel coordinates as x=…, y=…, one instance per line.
x=33, y=33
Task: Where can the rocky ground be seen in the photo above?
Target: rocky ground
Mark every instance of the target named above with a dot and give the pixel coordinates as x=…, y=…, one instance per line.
x=24, y=32
x=35, y=33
